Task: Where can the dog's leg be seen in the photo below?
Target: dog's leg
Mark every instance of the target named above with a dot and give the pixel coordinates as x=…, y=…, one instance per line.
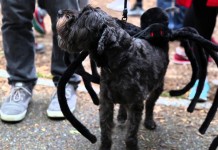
x=149, y=122
x=134, y=117
x=122, y=114
x=106, y=122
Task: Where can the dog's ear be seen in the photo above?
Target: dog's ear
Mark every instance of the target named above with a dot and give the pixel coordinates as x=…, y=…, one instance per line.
x=108, y=38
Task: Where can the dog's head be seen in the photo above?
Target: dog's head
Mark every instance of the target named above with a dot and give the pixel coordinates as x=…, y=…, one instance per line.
x=65, y=20
x=82, y=31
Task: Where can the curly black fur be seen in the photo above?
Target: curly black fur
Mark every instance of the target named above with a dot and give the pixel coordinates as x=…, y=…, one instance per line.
x=132, y=70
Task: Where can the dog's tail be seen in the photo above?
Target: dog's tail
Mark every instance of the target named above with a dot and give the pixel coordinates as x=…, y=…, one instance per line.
x=63, y=102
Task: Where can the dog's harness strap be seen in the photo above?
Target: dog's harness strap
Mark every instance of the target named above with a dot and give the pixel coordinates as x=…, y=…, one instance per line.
x=125, y=11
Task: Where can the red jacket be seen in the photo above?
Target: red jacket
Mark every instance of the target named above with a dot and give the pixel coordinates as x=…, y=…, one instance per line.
x=187, y=3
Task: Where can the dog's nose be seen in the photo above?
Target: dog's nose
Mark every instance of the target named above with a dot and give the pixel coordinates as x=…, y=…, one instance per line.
x=60, y=13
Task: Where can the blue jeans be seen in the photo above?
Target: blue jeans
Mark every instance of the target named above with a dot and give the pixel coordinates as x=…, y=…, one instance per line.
x=176, y=18
x=18, y=40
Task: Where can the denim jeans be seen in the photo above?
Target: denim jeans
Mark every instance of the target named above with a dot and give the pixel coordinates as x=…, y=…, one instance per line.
x=18, y=39
x=175, y=18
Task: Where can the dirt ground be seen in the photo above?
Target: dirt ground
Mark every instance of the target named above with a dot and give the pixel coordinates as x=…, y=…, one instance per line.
x=177, y=75
x=177, y=129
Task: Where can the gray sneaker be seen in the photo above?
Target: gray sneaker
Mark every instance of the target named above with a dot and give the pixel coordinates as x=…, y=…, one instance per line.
x=14, y=108
x=135, y=11
x=54, y=110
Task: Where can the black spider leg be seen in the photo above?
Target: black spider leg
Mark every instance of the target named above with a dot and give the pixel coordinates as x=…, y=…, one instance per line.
x=194, y=65
x=88, y=85
x=67, y=58
x=195, y=70
x=199, y=40
x=87, y=78
x=210, y=115
x=94, y=68
x=63, y=102
x=202, y=61
x=214, y=144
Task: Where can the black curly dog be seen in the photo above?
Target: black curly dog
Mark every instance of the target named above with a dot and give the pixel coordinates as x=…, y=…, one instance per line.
x=132, y=69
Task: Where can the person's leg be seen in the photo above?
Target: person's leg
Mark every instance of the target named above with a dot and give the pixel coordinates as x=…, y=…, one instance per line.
x=58, y=65
x=204, y=20
x=178, y=17
x=83, y=3
x=137, y=9
x=139, y=3
x=41, y=4
x=166, y=4
x=118, y=5
x=18, y=40
x=18, y=43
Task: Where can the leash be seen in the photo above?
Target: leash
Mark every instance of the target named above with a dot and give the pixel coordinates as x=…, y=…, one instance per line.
x=125, y=11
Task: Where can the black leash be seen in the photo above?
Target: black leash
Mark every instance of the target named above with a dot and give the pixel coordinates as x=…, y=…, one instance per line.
x=125, y=11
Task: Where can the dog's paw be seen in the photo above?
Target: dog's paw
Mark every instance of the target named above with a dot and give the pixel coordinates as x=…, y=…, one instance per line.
x=150, y=124
x=132, y=144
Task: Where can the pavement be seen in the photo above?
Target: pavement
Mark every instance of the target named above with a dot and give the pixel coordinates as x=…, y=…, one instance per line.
x=176, y=129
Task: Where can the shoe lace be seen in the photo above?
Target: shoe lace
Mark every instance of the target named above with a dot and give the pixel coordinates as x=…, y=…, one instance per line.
x=17, y=94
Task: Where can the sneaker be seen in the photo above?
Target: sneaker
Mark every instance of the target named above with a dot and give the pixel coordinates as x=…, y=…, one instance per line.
x=136, y=11
x=204, y=93
x=39, y=48
x=38, y=20
x=54, y=110
x=117, y=5
x=14, y=108
x=180, y=56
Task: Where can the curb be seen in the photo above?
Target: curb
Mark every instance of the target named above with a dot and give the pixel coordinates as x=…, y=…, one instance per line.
x=175, y=102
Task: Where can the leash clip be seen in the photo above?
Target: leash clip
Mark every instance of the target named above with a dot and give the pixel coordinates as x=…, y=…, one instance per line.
x=125, y=11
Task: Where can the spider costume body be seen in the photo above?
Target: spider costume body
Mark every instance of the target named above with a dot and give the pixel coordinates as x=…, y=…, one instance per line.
x=133, y=68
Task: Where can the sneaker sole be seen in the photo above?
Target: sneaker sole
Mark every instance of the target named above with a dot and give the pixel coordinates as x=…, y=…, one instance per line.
x=13, y=118
x=181, y=62
x=56, y=114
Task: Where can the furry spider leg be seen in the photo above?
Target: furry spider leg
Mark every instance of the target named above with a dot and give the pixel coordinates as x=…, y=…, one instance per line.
x=87, y=78
x=195, y=69
x=62, y=99
x=214, y=144
x=202, y=77
x=201, y=73
x=88, y=85
x=95, y=78
x=94, y=69
x=194, y=65
x=214, y=106
x=178, y=35
x=210, y=115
